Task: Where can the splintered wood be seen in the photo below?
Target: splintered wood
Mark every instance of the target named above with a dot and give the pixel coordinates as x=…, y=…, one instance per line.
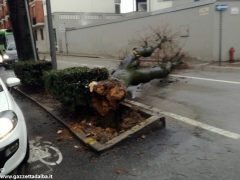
x=107, y=95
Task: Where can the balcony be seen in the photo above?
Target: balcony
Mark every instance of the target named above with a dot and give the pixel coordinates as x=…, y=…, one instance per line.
x=36, y=23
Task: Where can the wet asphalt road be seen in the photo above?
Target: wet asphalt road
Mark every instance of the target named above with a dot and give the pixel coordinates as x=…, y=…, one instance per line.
x=179, y=152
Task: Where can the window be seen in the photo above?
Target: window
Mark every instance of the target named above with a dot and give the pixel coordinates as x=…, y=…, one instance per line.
x=117, y=8
x=2, y=39
x=42, y=35
x=141, y=5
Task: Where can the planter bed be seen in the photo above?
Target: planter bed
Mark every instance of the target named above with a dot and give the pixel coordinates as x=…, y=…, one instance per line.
x=133, y=117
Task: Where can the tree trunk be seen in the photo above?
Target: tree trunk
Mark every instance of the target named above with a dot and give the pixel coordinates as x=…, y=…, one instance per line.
x=137, y=76
x=107, y=95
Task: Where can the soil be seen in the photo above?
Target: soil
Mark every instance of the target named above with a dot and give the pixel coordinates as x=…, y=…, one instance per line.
x=91, y=124
x=92, y=127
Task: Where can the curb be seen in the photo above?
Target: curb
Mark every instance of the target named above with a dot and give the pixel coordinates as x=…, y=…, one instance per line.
x=46, y=110
x=85, y=56
x=209, y=67
x=74, y=55
x=93, y=143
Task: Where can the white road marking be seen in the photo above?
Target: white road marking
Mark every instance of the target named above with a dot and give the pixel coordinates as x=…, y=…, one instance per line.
x=189, y=121
x=203, y=64
x=203, y=125
x=45, y=152
x=206, y=79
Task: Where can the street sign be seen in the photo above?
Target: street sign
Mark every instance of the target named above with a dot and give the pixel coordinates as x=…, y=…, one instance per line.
x=221, y=7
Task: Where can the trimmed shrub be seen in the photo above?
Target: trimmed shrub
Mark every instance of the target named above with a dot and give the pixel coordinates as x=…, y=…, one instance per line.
x=31, y=73
x=70, y=86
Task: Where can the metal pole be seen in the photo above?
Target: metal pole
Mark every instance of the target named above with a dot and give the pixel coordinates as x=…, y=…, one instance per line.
x=31, y=31
x=66, y=41
x=220, y=37
x=51, y=35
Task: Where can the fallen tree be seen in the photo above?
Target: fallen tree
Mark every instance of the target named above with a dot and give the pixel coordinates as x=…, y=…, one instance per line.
x=106, y=95
x=109, y=93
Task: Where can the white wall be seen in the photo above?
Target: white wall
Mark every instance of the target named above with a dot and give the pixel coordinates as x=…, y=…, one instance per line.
x=155, y=5
x=42, y=45
x=106, y=6
x=109, y=39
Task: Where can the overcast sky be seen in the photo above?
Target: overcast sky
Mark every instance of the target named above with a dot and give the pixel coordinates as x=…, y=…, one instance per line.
x=127, y=6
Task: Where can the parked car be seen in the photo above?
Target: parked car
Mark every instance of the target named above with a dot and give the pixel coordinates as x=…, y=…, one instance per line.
x=10, y=56
x=14, y=148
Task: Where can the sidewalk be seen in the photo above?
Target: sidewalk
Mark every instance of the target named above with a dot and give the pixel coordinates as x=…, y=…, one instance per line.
x=61, y=55
x=73, y=60
x=215, y=66
x=64, y=61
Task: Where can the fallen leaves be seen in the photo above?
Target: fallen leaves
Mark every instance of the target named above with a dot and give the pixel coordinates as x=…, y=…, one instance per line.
x=63, y=134
x=121, y=171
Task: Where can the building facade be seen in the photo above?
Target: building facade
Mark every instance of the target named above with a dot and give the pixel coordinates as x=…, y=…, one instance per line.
x=4, y=15
x=98, y=6
x=38, y=23
x=150, y=5
x=75, y=13
x=201, y=32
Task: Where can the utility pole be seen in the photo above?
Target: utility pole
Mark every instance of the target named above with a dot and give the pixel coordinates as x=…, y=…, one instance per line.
x=52, y=39
x=18, y=16
x=220, y=37
x=220, y=8
x=31, y=31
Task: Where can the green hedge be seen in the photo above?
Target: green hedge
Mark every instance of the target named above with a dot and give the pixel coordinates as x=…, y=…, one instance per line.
x=70, y=86
x=31, y=73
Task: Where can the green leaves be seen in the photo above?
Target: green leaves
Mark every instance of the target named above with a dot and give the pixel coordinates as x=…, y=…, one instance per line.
x=70, y=86
x=31, y=73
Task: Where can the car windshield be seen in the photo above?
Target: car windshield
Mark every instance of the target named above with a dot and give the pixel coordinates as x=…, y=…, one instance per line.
x=11, y=46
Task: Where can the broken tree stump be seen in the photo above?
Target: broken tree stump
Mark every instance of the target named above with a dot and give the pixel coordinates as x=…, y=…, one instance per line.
x=107, y=95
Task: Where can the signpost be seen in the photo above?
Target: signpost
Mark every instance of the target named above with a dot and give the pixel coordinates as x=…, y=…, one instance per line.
x=220, y=8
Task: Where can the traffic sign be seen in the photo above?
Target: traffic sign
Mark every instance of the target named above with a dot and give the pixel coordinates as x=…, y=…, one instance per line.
x=221, y=7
